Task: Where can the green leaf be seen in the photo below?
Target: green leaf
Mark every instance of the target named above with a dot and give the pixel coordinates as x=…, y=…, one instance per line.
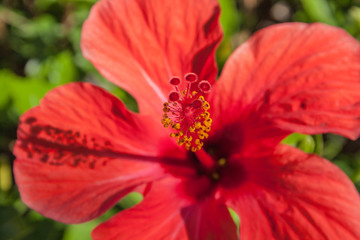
x=80, y=231
x=5, y=174
x=25, y=93
x=12, y=226
x=45, y=229
x=5, y=93
x=44, y=27
x=333, y=145
x=319, y=11
x=230, y=18
x=354, y=13
x=58, y=70
x=235, y=218
x=301, y=141
x=130, y=200
x=344, y=166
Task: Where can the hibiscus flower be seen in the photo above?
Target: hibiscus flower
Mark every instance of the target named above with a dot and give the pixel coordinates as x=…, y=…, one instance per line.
x=197, y=146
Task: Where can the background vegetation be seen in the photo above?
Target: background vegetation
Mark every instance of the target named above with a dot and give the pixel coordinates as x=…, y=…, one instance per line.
x=39, y=50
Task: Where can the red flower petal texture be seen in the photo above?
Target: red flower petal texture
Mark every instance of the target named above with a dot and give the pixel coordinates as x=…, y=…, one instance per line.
x=294, y=195
x=81, y=150
x=301, y=78
x=87, y=155
x=172, y=217
x=152, y=41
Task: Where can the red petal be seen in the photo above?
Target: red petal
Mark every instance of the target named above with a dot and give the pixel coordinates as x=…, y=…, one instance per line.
x=139, y=44
x=302, y=78
x=294, y=195
x=165, y=214
x=81, y=150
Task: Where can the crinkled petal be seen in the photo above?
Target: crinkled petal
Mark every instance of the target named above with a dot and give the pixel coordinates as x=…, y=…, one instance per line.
x=298, y=77
x=80, y=151
x=294, y=195
x=166, y=213
x=140, y=44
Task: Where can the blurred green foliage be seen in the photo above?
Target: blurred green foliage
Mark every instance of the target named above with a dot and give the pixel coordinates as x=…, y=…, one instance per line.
x=39, y=49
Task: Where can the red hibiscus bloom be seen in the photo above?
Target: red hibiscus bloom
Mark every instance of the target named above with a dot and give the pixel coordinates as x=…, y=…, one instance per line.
x=81, y=150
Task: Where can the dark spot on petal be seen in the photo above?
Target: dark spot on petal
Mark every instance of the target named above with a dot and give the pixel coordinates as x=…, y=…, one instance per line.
x=303, y=105
x=37, y=150
x=267, y=97
x=30, y=120
x=92, y=164
x=59, y=156
x=63, y=147
x=76, y=161
x=35, y=130
x=47, y=130
x=44, y=158
x=288, y=107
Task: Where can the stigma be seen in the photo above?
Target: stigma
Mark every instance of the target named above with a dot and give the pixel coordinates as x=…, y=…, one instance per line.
x=186, y=111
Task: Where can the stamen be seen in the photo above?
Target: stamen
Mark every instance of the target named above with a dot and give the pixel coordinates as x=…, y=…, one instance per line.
x=186, y=112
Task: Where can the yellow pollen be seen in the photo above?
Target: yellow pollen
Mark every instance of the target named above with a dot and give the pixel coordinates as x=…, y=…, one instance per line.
x=222, y=161
x=215, y=176
x=206, y=106
x=197, y=125
x=176, y=126
x=180, y=141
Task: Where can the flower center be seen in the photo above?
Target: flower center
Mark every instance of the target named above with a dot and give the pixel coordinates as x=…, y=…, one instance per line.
x=186, y=112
